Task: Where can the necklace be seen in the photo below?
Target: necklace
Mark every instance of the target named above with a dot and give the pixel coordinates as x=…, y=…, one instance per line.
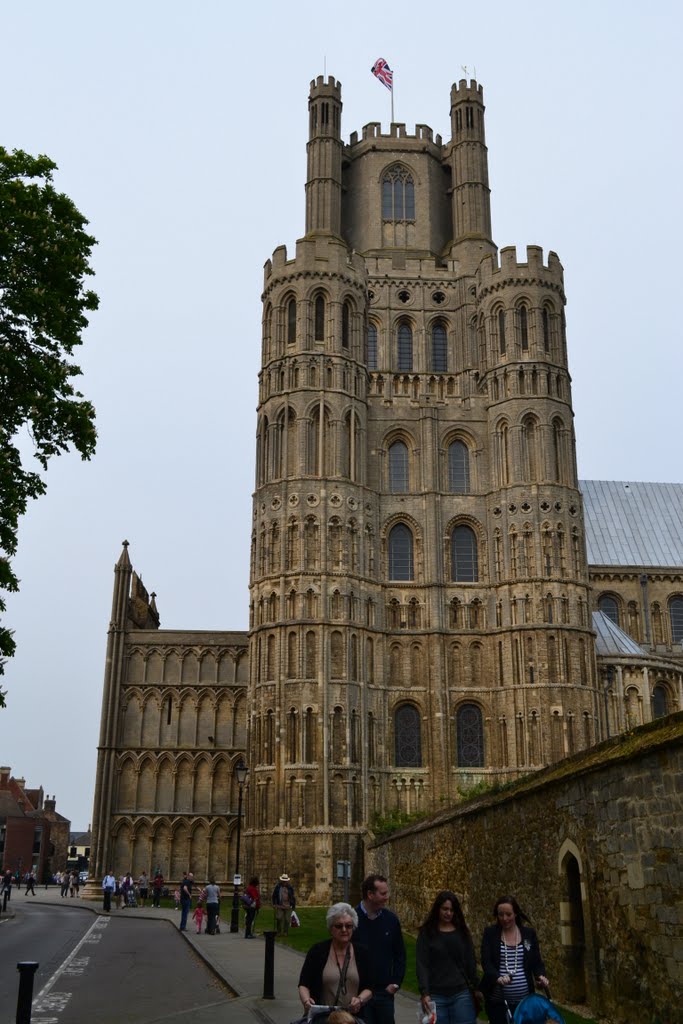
x=510, y=970
x=343, y=970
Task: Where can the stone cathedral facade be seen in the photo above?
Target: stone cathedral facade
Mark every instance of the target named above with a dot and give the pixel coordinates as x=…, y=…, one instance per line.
x=422, y=616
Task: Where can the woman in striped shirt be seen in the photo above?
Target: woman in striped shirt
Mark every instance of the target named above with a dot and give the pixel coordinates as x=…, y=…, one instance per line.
x=510, y=958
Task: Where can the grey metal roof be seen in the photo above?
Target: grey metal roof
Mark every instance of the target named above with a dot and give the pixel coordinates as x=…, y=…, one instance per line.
x=633, y=523
x=611, y=640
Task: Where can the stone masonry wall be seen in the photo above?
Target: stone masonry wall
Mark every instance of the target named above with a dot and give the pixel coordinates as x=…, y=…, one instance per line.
x=591, y=848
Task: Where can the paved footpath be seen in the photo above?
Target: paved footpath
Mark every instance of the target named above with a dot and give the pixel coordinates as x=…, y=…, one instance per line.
x=238, y=962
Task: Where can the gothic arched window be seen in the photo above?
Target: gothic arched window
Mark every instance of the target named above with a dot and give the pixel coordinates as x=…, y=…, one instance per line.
x=399, y=469
x=609, y=606
x=660, y=701
x=398, y=195
x=469, y=737
x=346, y=324
x=319, y=331
x=458, y=468
x=523, y=326
x=439, y=349
x=372, y=347
x=464, y=560
x=291, y=321
x=401, y=565
x=676, y=619
x=407, y=737
x=501, y=331
x=405, y=347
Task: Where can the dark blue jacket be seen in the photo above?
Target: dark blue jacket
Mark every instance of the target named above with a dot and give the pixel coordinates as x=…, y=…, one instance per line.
x=383, y=938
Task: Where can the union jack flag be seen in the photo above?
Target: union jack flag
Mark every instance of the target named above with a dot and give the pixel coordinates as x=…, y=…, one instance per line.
x=381, y=70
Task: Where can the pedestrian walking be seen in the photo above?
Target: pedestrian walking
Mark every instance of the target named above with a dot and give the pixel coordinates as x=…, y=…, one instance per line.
x=143, y=888
x=252, y=893
x=30, y=883
x=213, y=902
x=108, y=889
x=185, y=899
x=511, y=960
x=157, y=888
x=284, y=902
x=379, y=930
x=446, y=964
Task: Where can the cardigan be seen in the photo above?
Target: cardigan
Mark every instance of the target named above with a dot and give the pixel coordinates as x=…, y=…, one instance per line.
x=490, y=957
x=312, y=971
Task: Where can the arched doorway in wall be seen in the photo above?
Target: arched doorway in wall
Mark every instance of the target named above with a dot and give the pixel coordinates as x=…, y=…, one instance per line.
x=572, y=925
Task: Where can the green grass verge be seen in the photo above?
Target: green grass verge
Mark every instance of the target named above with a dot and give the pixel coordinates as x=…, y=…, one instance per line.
x=313, y=929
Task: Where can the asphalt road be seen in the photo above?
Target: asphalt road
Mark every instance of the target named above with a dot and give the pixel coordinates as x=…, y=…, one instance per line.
x=105, y=970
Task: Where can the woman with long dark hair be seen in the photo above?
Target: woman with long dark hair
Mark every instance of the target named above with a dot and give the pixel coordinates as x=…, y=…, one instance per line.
x=446, y=966
x=510, y=958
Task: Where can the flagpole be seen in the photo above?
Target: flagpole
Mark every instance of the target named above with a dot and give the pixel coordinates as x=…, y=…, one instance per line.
x=392, y=98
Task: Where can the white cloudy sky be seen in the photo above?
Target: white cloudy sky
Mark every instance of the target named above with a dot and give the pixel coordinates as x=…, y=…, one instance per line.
x=180, y=130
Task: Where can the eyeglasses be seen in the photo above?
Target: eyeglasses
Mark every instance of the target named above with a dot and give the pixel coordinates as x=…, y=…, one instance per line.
x=343, y=927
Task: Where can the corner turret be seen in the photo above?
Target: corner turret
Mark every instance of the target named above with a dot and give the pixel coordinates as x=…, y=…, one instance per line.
x=324, y=151
x=469, y=168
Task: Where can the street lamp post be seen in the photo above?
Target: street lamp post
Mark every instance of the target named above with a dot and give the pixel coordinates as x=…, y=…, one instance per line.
x=241, y=771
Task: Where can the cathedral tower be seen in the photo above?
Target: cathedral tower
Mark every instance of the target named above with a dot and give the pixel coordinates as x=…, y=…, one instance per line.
x=419, y=616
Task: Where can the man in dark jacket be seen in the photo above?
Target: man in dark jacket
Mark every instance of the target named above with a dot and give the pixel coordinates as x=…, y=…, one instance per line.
x=379, y=930
x=284, y=903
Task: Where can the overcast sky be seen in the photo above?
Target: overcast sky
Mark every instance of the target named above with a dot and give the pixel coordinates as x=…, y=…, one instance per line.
x=180, y=132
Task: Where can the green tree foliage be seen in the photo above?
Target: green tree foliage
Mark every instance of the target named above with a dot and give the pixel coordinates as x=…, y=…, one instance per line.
x=44, y=261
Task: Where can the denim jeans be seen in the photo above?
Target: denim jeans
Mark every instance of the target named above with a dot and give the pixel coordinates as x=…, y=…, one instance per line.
x=184, y=911
x=457, y=1009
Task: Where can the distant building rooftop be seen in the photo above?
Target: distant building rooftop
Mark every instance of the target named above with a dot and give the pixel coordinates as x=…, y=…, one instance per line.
x=633, y=523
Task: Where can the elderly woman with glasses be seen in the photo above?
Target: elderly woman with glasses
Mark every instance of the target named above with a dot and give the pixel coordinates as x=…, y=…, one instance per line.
x=337, y=972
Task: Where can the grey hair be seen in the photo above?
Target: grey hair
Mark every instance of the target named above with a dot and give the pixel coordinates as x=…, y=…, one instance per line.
x=340, y=910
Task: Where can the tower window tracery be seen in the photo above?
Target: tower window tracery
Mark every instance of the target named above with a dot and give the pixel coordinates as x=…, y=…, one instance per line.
x=401, y=563
x=439, y=348
x=346, y=325
x=469, y=732
x=501, y=331
x=319, y=326
x=372, y=346
x=291, y=321
x=398, y=194
x=464, y=557
x=676, y=619
x=407, y=737
x=399, y=468
x=609, y=606
x=458, y=468
x=404, y=350
x=523, y=327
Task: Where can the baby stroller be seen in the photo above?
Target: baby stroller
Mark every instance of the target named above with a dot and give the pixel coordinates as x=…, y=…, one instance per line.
x=131, y=898
x=536, y=1009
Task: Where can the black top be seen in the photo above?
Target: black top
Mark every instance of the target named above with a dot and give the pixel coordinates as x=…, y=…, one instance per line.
x=445, y=962
x=490, y=957
x=383, y=938
x=312, y=971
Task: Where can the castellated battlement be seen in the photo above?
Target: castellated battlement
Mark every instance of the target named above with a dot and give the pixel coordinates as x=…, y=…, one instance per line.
x=462, y=91
x=320, y=87
x=373, y=133
x=495, y=269
x=314, y=254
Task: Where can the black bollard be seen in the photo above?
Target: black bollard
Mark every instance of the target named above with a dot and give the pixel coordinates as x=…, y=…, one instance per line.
x=4, y=900
x=27, y=968
x=269, y=966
